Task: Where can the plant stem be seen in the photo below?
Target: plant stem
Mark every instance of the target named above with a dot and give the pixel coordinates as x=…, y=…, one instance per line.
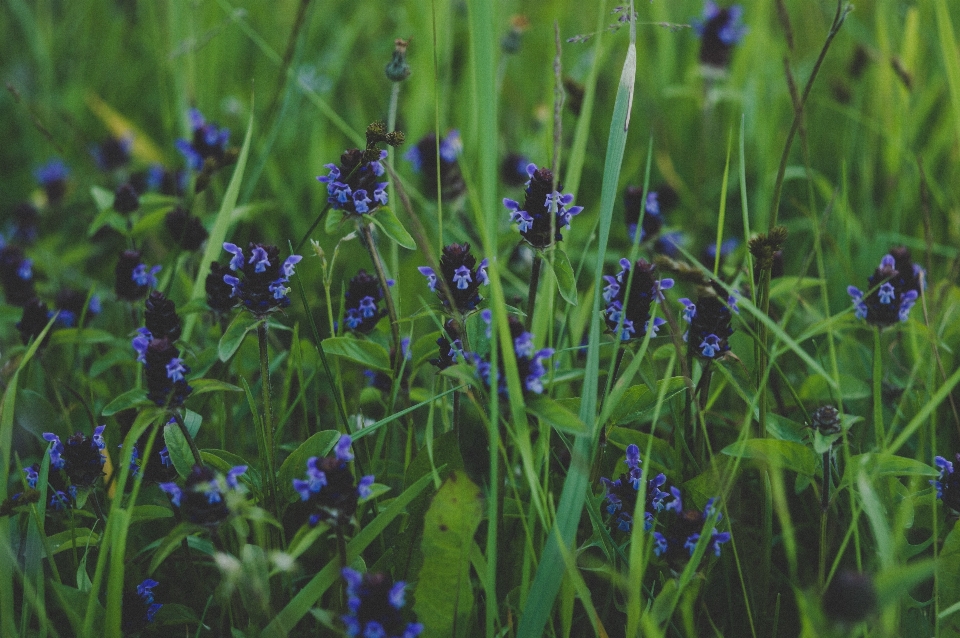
x=824, y=505
x=387, y=297
x=186, y=434
x=268, y=431
x=312, y=228
x=534, y=284
x=878, y=388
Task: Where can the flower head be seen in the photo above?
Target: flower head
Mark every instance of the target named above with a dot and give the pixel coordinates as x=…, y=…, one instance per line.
x=948, y=483
x=35, y=317
x=139, y=607
x=529, y=362
x=710, y=328
x=450, y=347
x=534, y=217
x=202, y=499
x=462, y=275
x=160, y=317
x=375, y=604
x=681, y=531
x=72, y=305
x=423, y=156
x=647, y=213
x=630, y=321
x=126, y=200
x=330, y=488
x=52, y=177
x=113, y=152
x=16, y=275
x=219, y=293
x=826, y=420
x=891, y=293
x=354, y=186
x=164, y=369
x=185, y=228
x=719, y=30
x=260, y=280
x=622, y=493
x=81, y=458
x=208, y=141
x=361, y=303
x=133, y=278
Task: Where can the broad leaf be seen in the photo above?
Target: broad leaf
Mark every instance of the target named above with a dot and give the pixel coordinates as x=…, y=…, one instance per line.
x=555, y=414
x=392, y=228
x=566, y=280
x=295, y=465
x=366, y=353
x=235, y=333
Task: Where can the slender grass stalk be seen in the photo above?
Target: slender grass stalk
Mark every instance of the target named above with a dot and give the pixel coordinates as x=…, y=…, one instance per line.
x=878, y=388
x=534, y=284
x=267, y=424
x=366, y=231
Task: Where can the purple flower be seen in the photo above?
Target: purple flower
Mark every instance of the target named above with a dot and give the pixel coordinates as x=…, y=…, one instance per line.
x=535, y=216
x=260, y=282
x=893, y=290
x=622, y=493
x=374, y=606
x=203, y=495
x=423, y=156
x=710, y=328
x=208, y=141
x=462, y=275
x=354, y=186
x=645, y=290
x=719, y=30
x=330, y=487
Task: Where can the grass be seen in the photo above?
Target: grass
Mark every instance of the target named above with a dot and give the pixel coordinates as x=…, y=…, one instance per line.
x=852, y=161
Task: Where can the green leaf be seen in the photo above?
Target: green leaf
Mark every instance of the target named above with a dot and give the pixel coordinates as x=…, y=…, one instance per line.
x=170, y=543
x=149, y=222
x=444, y=598
x=556, y=415
x=102, y=197
x=143, y=513
x=366, y=353
x=331, y=225
x=108, y=217
x=174, y=614
x=178, y=448
x=202, y=386
x=386, y=221
x=660, y=451
x=295, y=465
x=67, y=539
x=639, y=399
x=225, y=461
x=72, y=601
x=81, y=335
x=192, y=421
x=786, y=454
x=566, y=280
x=130, y=399
x=235, y=333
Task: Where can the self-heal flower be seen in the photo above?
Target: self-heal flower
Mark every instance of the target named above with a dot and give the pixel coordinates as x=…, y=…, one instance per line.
x=719, y=30
x=52, y=177
x=375, y=604
x=681, y=531
x=112, y=153
x=361, y=303
x=891, y=293
x=710, y=328
x=16, y=275
x=354, y=186
x=164, y=370
x=203, y=497
x=622, y=493
x=186, y=229
x=207, y=141
x=423, y=156
x=462, y=275
x=948, y=483
x=260, y=282
x=80, y=458
x=529, y=363
x=134, y=280
x=330, y=488
x=139, y=607
x=630, y=322
x=534, y=216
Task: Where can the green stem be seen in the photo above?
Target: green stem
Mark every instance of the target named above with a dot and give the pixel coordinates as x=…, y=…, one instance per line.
x=186, y=434
x=824, y=505
x=878, y=389
x=267, y=423
x=534, y=284
x=387, y=296
x=309, y=232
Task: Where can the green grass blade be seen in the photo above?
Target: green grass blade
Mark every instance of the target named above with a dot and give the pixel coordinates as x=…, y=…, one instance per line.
x=546, y=583
x=220, y=227
x=948, y=45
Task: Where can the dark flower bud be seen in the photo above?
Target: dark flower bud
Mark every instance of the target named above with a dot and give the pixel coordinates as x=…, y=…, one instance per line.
x=81, y=459
x=72, y=304
x=650, y=210
x=219, y=293
x=160, y=317
x=159, y=179
x=125, y=199
x=776, y=267
x=423, y=156
x=164, y=369
x=858, y=62
x=462, y=276
x=52, y=177
x=260, y=282
x=112, y=153
x=375, y=604
x=622, y=493
x=133, y=278
x=202, y=500
x=139, y=607
x=33, y=321
x=850, y=598
x=397, y=69
x=330, y=487
x=185, y=229
x=534, y=218
x=825, y=420
x=530, y=366
x=16, y=275
x=680, y=531
x=361, y=302
x=354, y=186
x=709, y=321
x=450, y=346
x=25, y=220
x=630, y=321
x=513, y=170
x=891, y=293
x=719, y=30
x=158, y=468
x=208, y=142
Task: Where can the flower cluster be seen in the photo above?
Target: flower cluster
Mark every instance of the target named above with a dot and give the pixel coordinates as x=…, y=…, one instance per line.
x=52, y=178
x=709, y=321
x=219, y=293
x=133, y=278
x=139, y=608
x=263, y=286
x=462, y=276
x=534, y=217
x=126, y=199
x=80, y=460
x=893, y=290
x=529, y=362
x=948, y=483
x=361, y=302
x=73, y=304
x=354, y=186
x=374, y=605
x=154, y=344
x=681, y=531
x=34, y=319
x=16, y=275
x=450, y=346
x=330, y=488
x=622, y=493
x=112, y=153
x=185, y=228
x=647, y=213
x=630, y=320
x=719, y=30
x=208, y=141
x=202, y=499
x=423, y=156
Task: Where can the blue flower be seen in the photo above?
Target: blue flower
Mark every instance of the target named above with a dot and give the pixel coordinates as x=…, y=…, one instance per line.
x=529, y=363
x=719, y=30
x=622, y=493
x=207, y=141
x=139, y=609
x=52, y=177
x=463, y=277
x=893, y=291
x=361, y=302
x=351, y=184
x=534, y=217
x=682, y=529
x=645, y=290
x=709, y=321
x=330, y=487
x=375, y=605
x=423, y=156
x=260, y=283
x=202, y=498
x=948, y=483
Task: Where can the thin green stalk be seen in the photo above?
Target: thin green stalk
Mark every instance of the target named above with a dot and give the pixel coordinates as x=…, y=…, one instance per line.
x=306, y=235
x=878, y=389
x=534, y=284
x=391, y=125
x=186, y=434
x=367, y=233
x=267, y=423
x=824, y=506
